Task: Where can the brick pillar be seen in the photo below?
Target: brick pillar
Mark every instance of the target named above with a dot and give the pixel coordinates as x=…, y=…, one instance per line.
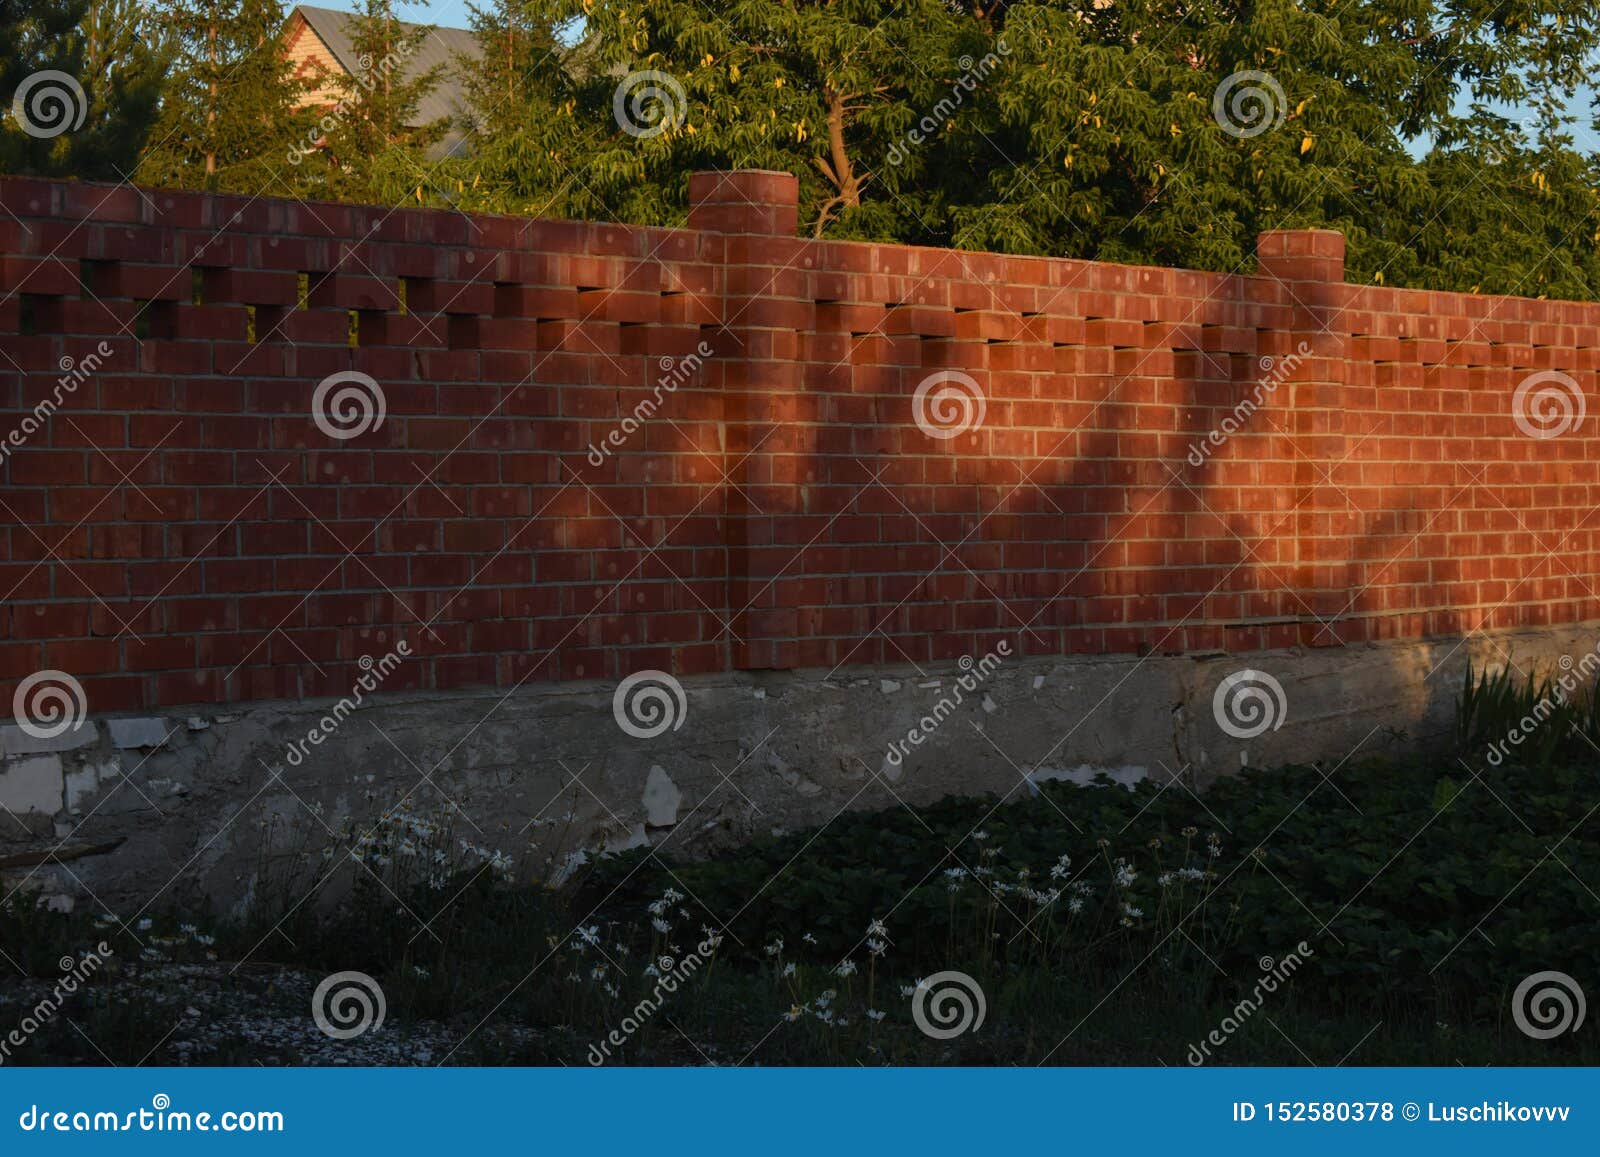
x=745, y=201
x=767, y=304
x=1301, y=287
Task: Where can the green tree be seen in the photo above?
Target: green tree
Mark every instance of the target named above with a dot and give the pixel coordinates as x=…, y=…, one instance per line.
x=520, y=142
x=125, y=56
x=80, y=81
x=232, y=116
x=1163, y=131
x=377, y=144
x=817, y=88
x=35, y=33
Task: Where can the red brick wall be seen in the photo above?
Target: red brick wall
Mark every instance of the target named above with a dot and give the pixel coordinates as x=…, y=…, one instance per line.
x=180, y=529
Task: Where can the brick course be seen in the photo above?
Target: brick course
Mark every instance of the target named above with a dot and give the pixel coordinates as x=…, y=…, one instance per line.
x=181, y=530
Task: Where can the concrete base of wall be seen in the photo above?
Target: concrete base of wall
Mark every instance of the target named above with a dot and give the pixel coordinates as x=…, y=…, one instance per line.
x=131, y=815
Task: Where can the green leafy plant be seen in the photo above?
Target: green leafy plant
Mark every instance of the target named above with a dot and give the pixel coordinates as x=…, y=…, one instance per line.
x=1536, y=720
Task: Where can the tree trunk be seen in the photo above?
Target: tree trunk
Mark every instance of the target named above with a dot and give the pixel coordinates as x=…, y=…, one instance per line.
x=837, y=168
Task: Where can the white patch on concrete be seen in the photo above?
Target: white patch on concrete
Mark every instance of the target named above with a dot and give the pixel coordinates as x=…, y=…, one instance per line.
x=891, y=771
x=989, y=705
x=1084, y=775
x=80, y=785
x=1038, y=682
x=15, y=741
x=126, y=733
x=888, y=686
x=634, y=837
x=35, y=784
x=87, y=780
x=661, y=799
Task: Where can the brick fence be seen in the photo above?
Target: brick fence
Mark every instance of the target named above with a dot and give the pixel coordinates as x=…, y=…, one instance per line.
x=606, y=448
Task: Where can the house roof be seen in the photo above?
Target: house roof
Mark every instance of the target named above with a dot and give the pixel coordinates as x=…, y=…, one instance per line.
x=441, y=47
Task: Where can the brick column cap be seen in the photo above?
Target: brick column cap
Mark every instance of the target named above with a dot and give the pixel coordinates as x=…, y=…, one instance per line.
x=744, y=201
x=1301, y=254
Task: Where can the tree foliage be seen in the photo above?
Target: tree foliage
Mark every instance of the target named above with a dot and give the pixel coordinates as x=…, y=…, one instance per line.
x=518, y=135
x=229, y=115
x=376, y=147
x=1126, y=129
x=1446, y=138
x=113, y=51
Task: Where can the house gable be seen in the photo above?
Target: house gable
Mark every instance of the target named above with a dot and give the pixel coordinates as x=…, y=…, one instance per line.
x=313, y=60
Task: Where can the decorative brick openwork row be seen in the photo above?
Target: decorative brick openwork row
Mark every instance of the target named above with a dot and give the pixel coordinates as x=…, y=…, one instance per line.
x=179, y=528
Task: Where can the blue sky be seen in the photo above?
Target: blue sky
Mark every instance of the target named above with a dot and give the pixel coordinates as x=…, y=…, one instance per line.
x=450, y=13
